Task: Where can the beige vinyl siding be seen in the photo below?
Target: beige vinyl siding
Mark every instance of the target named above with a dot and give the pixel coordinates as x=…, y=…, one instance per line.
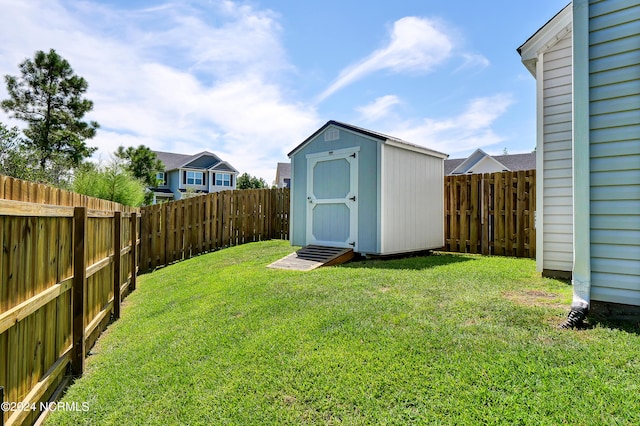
x=614, y=109
x=412, y=201
x=557, y=192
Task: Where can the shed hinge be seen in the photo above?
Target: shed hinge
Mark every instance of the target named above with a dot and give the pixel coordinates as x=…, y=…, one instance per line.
x=353, y=243
x=353, y=155
x=352, y=198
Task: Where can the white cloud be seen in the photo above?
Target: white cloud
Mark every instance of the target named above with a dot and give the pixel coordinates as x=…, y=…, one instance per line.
x=182, y=77
x=469, y=130
x=473, y=61
x=416, y=45
x=378, y=109
x=188, y=76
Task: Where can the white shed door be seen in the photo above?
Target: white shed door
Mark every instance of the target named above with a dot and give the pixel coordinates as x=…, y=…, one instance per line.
x=332, y=198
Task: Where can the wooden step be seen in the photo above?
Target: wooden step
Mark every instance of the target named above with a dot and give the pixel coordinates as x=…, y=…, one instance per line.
x=312, y=257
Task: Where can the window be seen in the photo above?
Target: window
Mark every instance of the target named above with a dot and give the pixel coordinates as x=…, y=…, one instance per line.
x=161, y=179
x=195, y=178
x=287, y=183
x=223, y=179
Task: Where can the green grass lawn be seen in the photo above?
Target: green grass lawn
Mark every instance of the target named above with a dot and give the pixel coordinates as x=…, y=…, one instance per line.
x=442, y=339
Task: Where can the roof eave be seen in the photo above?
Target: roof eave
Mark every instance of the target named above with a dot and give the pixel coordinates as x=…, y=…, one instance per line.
x=374, y=135
x=215, y=167
x=549, y=34
x=197, y=156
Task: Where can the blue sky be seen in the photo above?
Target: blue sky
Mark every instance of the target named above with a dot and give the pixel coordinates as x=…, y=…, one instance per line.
x=251, y=80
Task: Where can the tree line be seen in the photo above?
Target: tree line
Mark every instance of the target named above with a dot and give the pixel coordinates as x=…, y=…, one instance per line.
x=49, y=98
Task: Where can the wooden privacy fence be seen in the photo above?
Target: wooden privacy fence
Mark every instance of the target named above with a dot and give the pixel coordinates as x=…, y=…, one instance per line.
x=491, y=213
x=181, y=229
x=66, y=261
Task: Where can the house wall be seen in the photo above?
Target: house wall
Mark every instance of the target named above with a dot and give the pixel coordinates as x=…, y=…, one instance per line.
x=217, y=188
x=205, y=175
x=614, y=122
x=412, y=201
x=556, y=165
x=486, y=165
x=368, y=194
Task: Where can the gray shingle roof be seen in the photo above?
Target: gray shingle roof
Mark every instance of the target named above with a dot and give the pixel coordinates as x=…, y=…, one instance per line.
x=284, y=170
x=174, y=161
x=517, y=162
x=171, y=160
x=513, y=162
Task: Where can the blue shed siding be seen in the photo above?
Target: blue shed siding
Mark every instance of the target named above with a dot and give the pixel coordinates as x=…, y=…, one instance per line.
x=614, y=124
x=368, y=190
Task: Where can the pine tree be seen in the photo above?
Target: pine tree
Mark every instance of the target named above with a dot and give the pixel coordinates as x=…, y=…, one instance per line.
x=48, y=96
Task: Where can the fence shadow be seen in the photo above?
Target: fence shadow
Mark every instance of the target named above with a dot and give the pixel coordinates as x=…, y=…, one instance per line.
x=415, y=262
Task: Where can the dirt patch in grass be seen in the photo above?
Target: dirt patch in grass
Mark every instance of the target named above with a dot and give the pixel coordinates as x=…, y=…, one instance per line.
x=536, y=298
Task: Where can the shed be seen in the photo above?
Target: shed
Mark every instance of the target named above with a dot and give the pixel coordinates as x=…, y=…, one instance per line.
x=352, y=187
x=591, y=141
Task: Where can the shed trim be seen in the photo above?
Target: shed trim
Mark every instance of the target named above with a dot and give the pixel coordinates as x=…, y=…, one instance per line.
x=373, y=135
x=334, y=152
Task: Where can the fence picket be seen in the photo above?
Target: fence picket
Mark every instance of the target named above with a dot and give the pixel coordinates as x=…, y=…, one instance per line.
x=491, y=213
x=47, y=248
x=213, y=221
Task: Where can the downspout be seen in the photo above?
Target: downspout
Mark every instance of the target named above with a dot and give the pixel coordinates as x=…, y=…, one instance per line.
x=581, y=186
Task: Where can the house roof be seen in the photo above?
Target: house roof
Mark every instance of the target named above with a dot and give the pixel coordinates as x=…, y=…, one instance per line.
x=283, y=170
x=173, y=161
x=162, y=191
x=512, y=162
x=451, y=164
x=223, y=166
x=476, y=157
x=517, y=162
x=548, y=35
x=375, y=135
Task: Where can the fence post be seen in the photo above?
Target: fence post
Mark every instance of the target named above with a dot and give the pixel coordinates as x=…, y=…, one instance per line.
x=134, y=251
x=2, y=406
x=79, y=282
x=117, y=249
x=143, y=262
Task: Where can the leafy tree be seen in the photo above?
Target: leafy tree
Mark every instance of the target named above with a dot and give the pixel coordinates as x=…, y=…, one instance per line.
x=142, y=163
x=19, y=161
x=48, y=96
x=112, y=182
x=13, y=162
x=246, y=181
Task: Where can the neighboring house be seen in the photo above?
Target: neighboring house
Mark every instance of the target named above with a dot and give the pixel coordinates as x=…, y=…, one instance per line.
x=586, y=61
x=353, y=187
x=202, y=173
x=481, y=162
x=283, y=175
